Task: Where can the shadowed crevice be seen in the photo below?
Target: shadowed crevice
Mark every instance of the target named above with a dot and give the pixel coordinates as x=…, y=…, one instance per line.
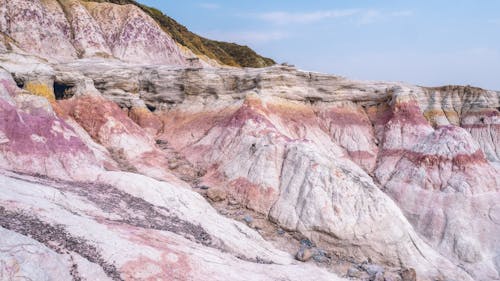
x=62, y=91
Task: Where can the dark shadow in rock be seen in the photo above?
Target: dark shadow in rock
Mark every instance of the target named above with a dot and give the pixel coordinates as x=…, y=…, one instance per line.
x=63, y=91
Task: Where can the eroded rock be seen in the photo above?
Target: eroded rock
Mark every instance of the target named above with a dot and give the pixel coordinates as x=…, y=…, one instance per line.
x=304, y=254
x=404, y=176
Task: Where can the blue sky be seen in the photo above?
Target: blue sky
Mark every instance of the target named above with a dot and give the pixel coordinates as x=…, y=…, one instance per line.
x=422, y=42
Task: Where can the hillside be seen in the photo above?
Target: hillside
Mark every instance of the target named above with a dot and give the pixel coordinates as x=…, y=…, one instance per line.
x=122, y=159
x=226, y=53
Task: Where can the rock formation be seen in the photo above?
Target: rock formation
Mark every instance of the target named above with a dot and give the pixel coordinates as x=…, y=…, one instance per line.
x=67, y=30
x=111, y=145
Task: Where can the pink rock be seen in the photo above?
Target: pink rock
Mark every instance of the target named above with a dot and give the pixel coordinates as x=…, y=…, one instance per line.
x=44, y=144
x=146, y=120
x=134, y=36
x=38, y=27
x=350, y=127
x=450, y=159
x=76, y=29
x=128, y=144
x=299, y=148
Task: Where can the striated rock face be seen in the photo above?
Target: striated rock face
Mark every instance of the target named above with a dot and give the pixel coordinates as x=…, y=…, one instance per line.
x=165, y=232
x=38, y=27
x=66, y=30
x=110, y=225
x=445, y=184
x=448, y=160
x=313, y=155
x=134, y=36
x=104, y=163
x=315, y=140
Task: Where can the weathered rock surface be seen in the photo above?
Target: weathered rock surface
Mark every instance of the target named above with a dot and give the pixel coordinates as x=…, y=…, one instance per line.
x=86, y=234
x=97, y=156
x=284, y=151
x=248, y=144
x=81, y=230
x=70, y=29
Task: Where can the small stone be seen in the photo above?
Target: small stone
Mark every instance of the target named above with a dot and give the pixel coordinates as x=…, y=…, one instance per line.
x=281, y=231
x=354, y=272
x=379, y=276
x=304, y=254
x=373, y=269
x=320, y=256
x=307, y=243
x=161, y=142
x=232, y=202
x=248, y=219
x=216, y=195
x=409, y=274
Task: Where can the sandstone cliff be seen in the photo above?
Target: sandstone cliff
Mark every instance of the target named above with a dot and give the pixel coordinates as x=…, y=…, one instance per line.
x=115, y=170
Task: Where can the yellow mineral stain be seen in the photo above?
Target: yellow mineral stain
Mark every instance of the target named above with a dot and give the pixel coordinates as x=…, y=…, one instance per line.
x=40, y=89
x=453, y=117
x=140, y=110
x=432, y=114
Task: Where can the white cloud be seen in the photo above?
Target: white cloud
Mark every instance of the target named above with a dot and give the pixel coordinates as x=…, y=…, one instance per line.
x=281, y=17
x=403, y=13
x=209, y=6
x=369, y=17
x=360, y=16
x=248, y=37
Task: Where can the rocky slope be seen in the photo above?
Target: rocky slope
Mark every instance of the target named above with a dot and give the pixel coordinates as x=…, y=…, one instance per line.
x=63, y=30
x=113, y=170
x=225, y=53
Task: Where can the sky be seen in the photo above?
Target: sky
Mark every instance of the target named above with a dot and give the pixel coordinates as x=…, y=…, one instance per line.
x=424, y=42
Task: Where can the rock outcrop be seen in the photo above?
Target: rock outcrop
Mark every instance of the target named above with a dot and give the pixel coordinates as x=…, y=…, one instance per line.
x=87, y=217
x=104, y=163
x=211, y=51
x=67, y=30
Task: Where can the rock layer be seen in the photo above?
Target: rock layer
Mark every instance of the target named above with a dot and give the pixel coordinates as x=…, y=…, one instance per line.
x=98, y=157
x=311, y=154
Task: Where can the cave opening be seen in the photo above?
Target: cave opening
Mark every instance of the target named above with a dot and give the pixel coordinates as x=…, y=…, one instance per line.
x=62, y=91
x=151, y=108
x=312, y=100
x=19, y=83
